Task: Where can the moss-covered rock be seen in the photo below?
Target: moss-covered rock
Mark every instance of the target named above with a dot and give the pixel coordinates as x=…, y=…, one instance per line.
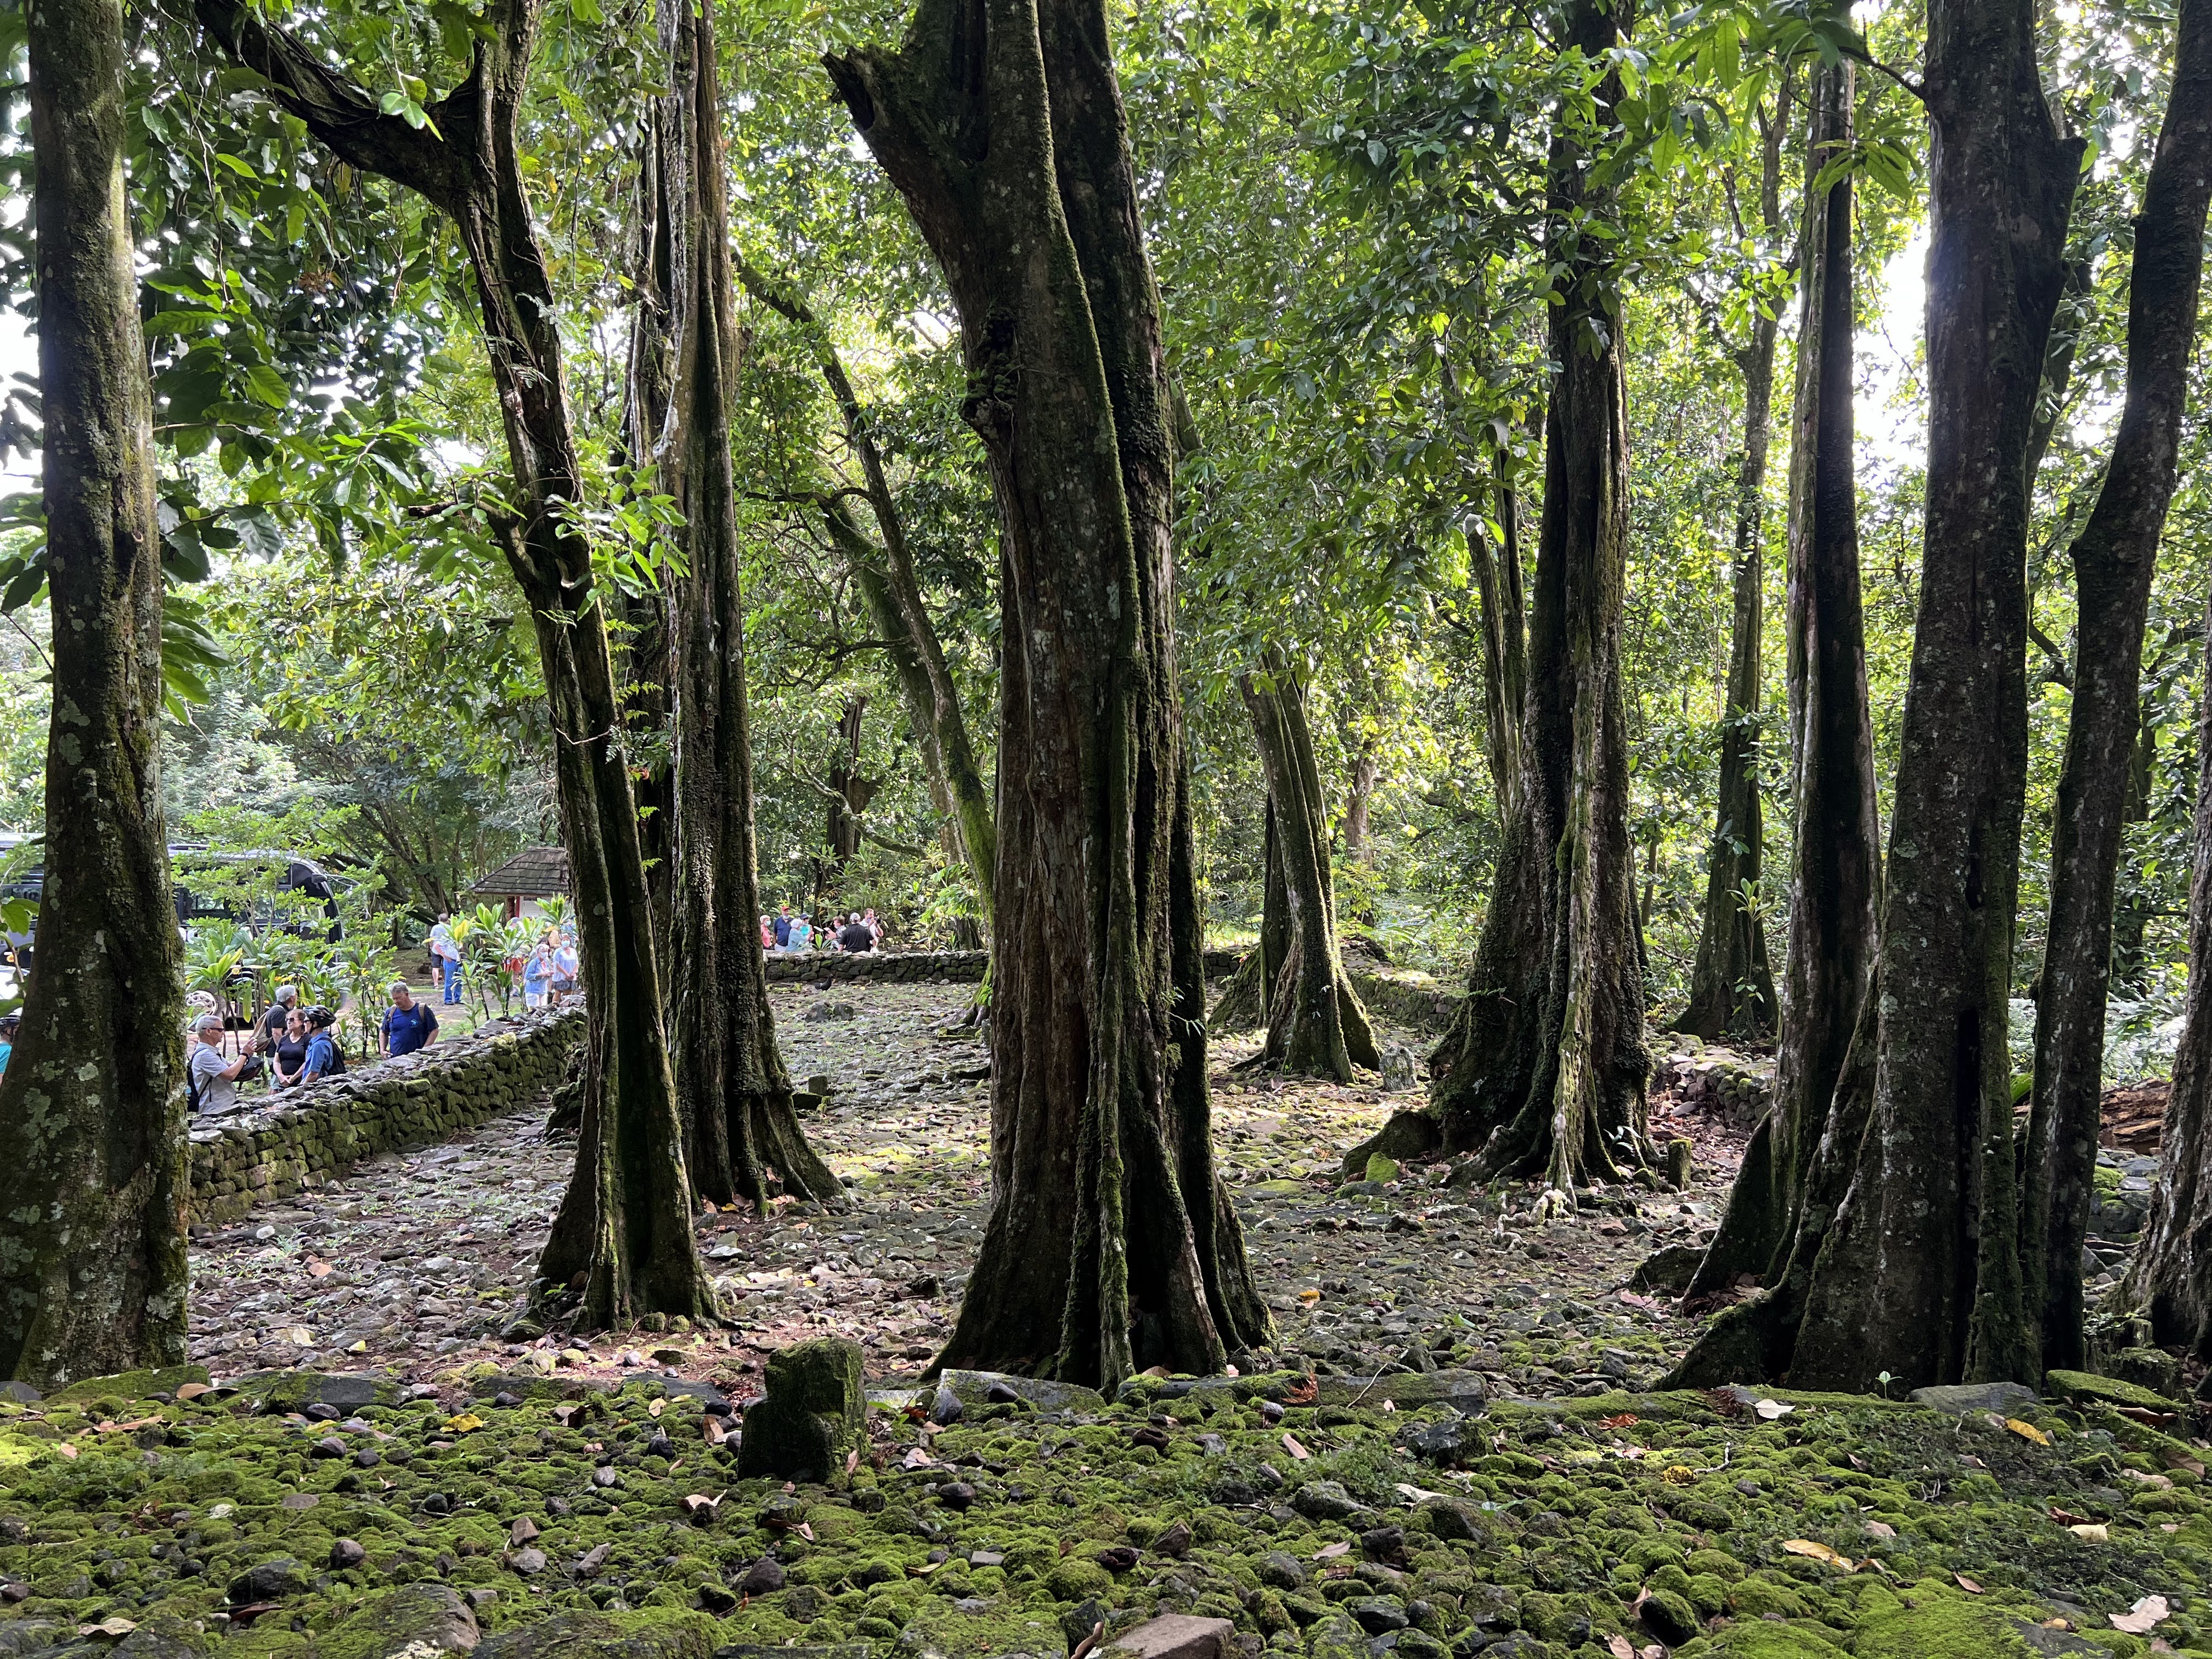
x=130, y=1385
x=2104, y=1390
x=814, y=1413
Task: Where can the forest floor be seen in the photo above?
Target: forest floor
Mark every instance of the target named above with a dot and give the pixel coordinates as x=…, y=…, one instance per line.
x=496, y=1488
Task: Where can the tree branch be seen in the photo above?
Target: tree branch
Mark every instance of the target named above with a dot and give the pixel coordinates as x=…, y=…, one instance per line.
x=340, y=114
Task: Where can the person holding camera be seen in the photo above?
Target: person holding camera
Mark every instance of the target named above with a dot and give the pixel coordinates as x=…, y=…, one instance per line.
x=212, y=1084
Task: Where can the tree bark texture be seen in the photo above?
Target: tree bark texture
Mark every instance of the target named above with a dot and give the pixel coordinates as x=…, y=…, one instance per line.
x=93, y=1157
x=1250, y=992
x=884, y=570
x=622, y=1241
x=1919, y=1275
x=1497, y=573
x=743, y=1139
x=1835, y=874
x=2114, y=558
x=1317, y=1026
x=1110, y=1245
x=1544, y=1065
x=2171, y=1277
x=1731, y=983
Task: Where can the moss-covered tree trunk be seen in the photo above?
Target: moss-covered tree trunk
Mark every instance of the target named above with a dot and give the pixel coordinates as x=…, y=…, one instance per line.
x=1919, y=1274
x=2171, y=1276
x=1496, y=573
x=884, y=568
x=2114, y=558
x=1317, y=1026
x=1835, y=872
x=93, y=1166
x=1250, y=992
x=622, y=1242
x=1545, y=1066
x=1731, y=983
x=1111, y=1244
x=743, y=1137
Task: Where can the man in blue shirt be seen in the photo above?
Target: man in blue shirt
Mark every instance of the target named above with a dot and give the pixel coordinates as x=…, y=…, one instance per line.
x=408, y=1024
x=783, y=927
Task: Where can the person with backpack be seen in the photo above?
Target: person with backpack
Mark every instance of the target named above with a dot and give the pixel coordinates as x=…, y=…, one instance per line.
x=211, y=1085
x=408, y=1024
x=325, y=1057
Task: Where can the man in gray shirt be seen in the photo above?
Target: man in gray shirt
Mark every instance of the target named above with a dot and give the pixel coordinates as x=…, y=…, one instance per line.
x=214, y=1086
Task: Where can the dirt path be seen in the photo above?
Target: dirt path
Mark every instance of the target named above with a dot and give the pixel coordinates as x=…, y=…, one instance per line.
x=419, y=1263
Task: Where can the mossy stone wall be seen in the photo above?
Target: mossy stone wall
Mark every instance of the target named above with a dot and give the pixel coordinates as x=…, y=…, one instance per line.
x=881, y=967
x=284, y=1143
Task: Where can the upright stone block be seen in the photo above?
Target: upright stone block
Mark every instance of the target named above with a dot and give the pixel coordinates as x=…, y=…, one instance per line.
x=815, y=1412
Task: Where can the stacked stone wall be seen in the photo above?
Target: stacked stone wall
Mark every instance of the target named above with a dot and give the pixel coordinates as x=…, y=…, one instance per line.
x=280, y=1144
x=881, y=967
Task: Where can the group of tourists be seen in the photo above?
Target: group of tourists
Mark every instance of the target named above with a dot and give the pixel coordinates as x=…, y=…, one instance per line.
x=292, y=1044
x=549, y=973
x=785, y=934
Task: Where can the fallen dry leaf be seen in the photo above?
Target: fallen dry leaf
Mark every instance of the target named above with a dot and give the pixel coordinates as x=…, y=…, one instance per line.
x=2138, y=1620
x=193, y=1390
x=1619, y=1647
x=1880, y=1530
x=66, y=1450
x=1815, y=1550
x=114, y=1624
x=656, y=1407
x=1968, y=1584
x=1291, y=1445
x=1772, y=1410
x=1330, y=1552
x=462, y=1424
x=2066, y=1517
x=2028, y=1430
x=2090, y=1533
x=1626, y=1421
x=318, y=1270
x=698, y=1504
x=1303, y=1391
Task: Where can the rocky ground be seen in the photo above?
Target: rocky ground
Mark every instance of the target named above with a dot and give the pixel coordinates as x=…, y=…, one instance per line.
x=474, y=1483
x=414, y=1264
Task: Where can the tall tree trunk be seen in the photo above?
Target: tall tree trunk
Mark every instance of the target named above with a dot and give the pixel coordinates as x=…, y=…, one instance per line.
x=647, y=663
x=2171, y=1277
x=93, y=1159
x=734, y=1092
x=1359, y=802
x=1835, y=876
x=1731, y=984
x=1317, y=1026
x=1544, y=1065
x=893, y=593
x=1250, y=992
x=2114, y=558
x=622, y=1242
x=1919, y=1275
x=850, y=793
x=1111, y=1244
x=1497, y=573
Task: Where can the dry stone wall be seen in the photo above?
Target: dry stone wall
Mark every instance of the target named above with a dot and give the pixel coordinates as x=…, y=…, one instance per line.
x=279, y=1144
x=879, y=967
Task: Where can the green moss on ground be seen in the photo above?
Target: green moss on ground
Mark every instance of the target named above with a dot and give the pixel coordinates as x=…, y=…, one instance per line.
x=1017, y=1528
